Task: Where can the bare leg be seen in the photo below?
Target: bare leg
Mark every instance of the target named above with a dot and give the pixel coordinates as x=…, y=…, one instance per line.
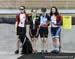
x=32, y=40
x=18, y=43
x=56, y=43
x=17, y=46
x=42, y=43
x=35, y=44
x=45, y=44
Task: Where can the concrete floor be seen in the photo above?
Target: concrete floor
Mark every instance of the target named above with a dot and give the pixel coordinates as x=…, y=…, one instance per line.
x=8, y=41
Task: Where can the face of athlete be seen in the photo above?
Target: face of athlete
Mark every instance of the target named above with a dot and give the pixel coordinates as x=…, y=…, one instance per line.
x=21, y=10
x=53, y=10
x=43, y=12
x=34, y=13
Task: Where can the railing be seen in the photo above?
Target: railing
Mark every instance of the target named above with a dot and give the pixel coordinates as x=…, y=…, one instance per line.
x=15, y=11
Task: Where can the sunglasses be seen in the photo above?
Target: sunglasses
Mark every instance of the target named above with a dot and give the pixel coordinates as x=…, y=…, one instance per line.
x=21, y=9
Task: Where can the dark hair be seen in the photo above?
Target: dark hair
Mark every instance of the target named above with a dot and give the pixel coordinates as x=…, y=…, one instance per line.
x=33, y=10
x=43, y=9
x=56, y=12
x=23, y=7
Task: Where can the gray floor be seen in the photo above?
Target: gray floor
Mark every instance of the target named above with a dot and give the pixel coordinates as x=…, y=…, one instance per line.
x=8, y=41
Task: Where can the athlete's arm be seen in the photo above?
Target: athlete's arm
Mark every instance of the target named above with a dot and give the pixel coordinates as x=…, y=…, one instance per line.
x=16, y=23
x=60, y=20
x=30, y=32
